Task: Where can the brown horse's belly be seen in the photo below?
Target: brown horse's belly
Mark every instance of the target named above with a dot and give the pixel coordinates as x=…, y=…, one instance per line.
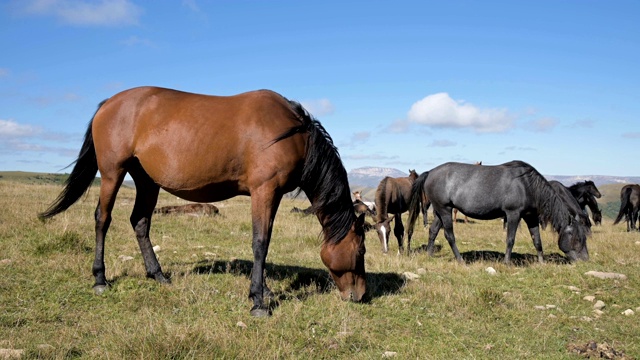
x=210, y=192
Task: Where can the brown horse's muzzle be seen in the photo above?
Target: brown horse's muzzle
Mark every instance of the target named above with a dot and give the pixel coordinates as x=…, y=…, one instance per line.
x=347, y=270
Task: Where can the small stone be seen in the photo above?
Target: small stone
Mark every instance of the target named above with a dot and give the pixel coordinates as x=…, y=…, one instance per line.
x=410, y=276
x=606, y=275
x=551, y=316
x=490, y=270
x=586, y=319
x=157, y=248
x=540, y=307
x=589, y=298
x=5, y=261
x=598, y=313
x=210, y=254
x=389, y=354
x=125, y=258
x=422, y=271
x=599, y=305
x=573, y=288
x=241, y=325
x=628, y=312
x=637, y=243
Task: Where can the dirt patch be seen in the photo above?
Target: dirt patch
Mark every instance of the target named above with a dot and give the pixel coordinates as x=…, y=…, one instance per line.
x=597, y=351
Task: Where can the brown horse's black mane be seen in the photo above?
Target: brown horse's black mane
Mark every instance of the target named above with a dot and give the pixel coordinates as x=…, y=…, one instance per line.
x=324, y=178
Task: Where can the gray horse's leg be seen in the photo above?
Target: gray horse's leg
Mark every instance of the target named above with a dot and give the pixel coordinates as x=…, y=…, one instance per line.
x=447, y=223
x=532, y=224
x=512, y=227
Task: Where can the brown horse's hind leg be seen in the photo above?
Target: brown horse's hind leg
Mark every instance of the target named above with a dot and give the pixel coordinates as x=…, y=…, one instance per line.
x=146, y=199
x=264, y=204
x=108, y=191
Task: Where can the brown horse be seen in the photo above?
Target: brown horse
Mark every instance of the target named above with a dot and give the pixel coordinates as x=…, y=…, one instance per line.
x=211, y=148
x=629, y=206
x=392, y=197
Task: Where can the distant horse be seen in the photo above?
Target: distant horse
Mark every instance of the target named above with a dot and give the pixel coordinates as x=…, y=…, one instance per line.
x=190, y=209
x=455, y=211
x=589, y=201
x=211, y=148
x=629, y=206
x=514, y=190
x=361, y=208
x=392, y=197
x=357, y=195
x=586, y=193
x=570, y=201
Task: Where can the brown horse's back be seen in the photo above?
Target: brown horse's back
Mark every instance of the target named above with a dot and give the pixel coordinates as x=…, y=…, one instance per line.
x=200, y=147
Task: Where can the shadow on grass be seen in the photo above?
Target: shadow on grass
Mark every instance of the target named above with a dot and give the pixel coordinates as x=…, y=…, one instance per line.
x=517, y=259
x=303, y=279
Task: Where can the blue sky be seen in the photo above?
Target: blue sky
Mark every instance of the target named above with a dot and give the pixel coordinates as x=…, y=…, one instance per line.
x=399, y=84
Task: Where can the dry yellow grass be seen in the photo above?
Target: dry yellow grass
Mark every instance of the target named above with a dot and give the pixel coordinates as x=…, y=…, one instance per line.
x=450, y=311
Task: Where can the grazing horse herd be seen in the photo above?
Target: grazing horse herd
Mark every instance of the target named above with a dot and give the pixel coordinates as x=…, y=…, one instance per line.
x=205, y=148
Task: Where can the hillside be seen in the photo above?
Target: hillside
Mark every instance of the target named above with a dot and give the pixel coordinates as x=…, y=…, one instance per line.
x=366, y=181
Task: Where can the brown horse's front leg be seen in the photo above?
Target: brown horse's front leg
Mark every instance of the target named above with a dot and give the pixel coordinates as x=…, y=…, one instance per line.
x=264, y=205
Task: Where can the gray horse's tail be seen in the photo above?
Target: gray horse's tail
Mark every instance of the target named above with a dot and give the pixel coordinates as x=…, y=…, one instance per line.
x=417, y=199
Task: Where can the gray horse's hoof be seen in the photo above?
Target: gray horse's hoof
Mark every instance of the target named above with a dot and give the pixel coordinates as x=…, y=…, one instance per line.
x=258, y=311
x=100, y=289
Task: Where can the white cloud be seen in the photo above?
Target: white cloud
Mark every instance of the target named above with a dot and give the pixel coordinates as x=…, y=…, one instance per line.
x=85, y=13
x=11, y=129
x=440, y=110
x=319, y=107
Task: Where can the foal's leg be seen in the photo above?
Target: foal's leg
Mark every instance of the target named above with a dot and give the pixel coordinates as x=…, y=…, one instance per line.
x=146, y=198
x=534, y=230
x=398, y=231
x=264, y=204
x=110, y=183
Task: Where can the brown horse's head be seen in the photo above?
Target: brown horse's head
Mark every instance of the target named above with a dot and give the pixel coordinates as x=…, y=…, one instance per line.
x=345, y=260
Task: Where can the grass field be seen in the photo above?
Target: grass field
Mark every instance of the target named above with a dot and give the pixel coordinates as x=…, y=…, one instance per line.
x=451, y=311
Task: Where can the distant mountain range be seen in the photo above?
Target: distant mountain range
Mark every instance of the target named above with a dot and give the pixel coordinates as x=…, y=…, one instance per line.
x=369, y=177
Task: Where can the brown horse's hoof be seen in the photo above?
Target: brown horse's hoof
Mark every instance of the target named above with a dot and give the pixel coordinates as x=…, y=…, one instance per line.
x=100, y=289
x=260, y=311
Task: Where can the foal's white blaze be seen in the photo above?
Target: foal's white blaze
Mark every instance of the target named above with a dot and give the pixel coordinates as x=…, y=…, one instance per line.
x=384, y=238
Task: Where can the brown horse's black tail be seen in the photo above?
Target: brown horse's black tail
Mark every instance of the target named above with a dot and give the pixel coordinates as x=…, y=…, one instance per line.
x=624, y=204
x=417, y=199
x=81, y=177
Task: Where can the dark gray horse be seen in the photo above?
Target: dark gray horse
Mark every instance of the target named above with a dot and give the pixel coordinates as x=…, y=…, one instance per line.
x=586, y=193
x=629, y=206
x=570, y=200
x=514, y=190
